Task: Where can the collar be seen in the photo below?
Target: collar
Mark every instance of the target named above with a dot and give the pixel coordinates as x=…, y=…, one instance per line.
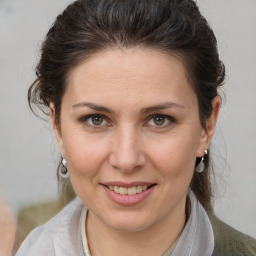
x=197, y=236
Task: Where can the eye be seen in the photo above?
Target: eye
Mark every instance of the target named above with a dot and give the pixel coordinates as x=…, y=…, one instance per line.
x=160, y=120
x=94, y=120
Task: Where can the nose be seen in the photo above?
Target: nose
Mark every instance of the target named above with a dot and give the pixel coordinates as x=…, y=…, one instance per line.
x=127, y=152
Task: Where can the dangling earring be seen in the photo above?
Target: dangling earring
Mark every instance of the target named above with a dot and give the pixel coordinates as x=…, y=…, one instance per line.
x=63, y=171
x=200, y=166
x=189, y=190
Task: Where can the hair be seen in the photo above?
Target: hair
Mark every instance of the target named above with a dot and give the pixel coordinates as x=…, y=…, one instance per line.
x=173, y=26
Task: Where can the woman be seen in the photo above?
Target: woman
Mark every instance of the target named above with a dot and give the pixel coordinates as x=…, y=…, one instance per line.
x=132, y=92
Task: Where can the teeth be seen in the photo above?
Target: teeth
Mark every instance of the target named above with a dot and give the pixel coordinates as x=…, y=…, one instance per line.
x=128, y=191
x=116, y=189
x=132, y=191
x=138, y=189
x=123, y=191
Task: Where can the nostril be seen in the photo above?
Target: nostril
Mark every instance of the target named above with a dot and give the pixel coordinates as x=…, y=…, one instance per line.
x=126, y=161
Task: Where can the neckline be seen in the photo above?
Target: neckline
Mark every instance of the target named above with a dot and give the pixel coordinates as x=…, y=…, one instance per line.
x=196, y=237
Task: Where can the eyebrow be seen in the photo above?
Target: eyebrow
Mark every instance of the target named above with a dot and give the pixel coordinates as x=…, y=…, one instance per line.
x=161, y=106
x=92, y=106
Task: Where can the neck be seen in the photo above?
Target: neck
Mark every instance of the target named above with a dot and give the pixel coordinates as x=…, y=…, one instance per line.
x=155, y=240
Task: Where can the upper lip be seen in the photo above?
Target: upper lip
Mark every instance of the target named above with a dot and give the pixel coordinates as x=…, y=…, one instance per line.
x=127, y=185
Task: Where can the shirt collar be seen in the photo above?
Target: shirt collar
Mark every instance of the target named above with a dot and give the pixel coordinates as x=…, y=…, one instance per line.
x=197, y=236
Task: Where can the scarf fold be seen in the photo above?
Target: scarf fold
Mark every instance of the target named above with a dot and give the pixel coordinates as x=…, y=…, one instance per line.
x=197, y=237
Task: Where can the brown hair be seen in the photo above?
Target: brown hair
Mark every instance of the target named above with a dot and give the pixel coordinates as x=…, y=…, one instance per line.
x=173, y=26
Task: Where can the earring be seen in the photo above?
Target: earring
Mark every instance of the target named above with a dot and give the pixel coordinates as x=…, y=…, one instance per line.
x=63, y=171
x=200, y=166
x=189, y=190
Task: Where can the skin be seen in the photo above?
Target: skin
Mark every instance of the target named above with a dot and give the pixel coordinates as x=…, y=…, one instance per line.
x=128, y=145
x=7, y=229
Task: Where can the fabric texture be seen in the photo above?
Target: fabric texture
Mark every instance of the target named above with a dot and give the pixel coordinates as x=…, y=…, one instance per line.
x=230, y=242
x=60, y=236
x=197, y=236
x=63, y=236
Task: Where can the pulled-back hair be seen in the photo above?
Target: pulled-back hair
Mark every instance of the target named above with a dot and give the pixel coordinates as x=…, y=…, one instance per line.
x=172, y=26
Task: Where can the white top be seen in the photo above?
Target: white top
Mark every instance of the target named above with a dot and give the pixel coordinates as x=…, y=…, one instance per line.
x=65, y=235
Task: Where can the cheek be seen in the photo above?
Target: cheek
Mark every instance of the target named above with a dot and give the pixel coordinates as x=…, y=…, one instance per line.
x=84, y=153
x=176, y=155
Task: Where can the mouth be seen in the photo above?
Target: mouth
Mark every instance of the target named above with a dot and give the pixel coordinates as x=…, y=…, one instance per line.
x=130, y=194
x=129, y=191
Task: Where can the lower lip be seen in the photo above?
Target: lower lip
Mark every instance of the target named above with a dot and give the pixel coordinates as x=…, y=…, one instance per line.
x=127, y=200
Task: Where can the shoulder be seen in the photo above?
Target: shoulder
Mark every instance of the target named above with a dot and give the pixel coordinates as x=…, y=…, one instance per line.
x=230, y=242
x=57, y=234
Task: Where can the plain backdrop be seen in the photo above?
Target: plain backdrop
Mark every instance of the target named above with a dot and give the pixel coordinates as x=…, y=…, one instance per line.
x=28, y=153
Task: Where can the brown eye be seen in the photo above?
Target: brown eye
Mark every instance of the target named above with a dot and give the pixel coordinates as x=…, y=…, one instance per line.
x=97, y=120
x=159, y=120
x=94, y=120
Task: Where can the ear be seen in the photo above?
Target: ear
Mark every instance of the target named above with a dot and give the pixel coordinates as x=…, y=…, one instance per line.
x=208, y=132
x=55, y=127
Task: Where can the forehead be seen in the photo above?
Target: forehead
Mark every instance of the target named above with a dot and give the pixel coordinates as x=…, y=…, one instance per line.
x=136, y=72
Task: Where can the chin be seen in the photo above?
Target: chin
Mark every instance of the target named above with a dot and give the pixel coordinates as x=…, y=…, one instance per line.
x=129, y=227
x=129, y=223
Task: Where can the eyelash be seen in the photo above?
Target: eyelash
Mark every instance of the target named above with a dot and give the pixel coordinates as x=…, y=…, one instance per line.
x=167, y=118
x=87, y=117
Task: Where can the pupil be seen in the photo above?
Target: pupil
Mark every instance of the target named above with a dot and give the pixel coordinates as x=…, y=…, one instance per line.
x=159, y=120
x=97, y=120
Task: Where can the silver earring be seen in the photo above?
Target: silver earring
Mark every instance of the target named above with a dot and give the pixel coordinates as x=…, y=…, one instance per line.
x=63, y=171
x=189, y=191
x=200, y=166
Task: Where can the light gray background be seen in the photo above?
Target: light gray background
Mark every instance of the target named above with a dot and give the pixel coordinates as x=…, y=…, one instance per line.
x=28, y=154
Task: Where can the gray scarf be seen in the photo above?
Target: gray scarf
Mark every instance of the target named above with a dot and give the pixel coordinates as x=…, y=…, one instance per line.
x=197, y=237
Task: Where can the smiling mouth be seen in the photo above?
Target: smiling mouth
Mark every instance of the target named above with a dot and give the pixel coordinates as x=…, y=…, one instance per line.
x=130, y=191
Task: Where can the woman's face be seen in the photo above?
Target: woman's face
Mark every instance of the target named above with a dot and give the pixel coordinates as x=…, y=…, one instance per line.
x=130, y=132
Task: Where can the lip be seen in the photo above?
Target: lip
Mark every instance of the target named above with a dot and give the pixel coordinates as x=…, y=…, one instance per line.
x=127, y=185
x=126, y=200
